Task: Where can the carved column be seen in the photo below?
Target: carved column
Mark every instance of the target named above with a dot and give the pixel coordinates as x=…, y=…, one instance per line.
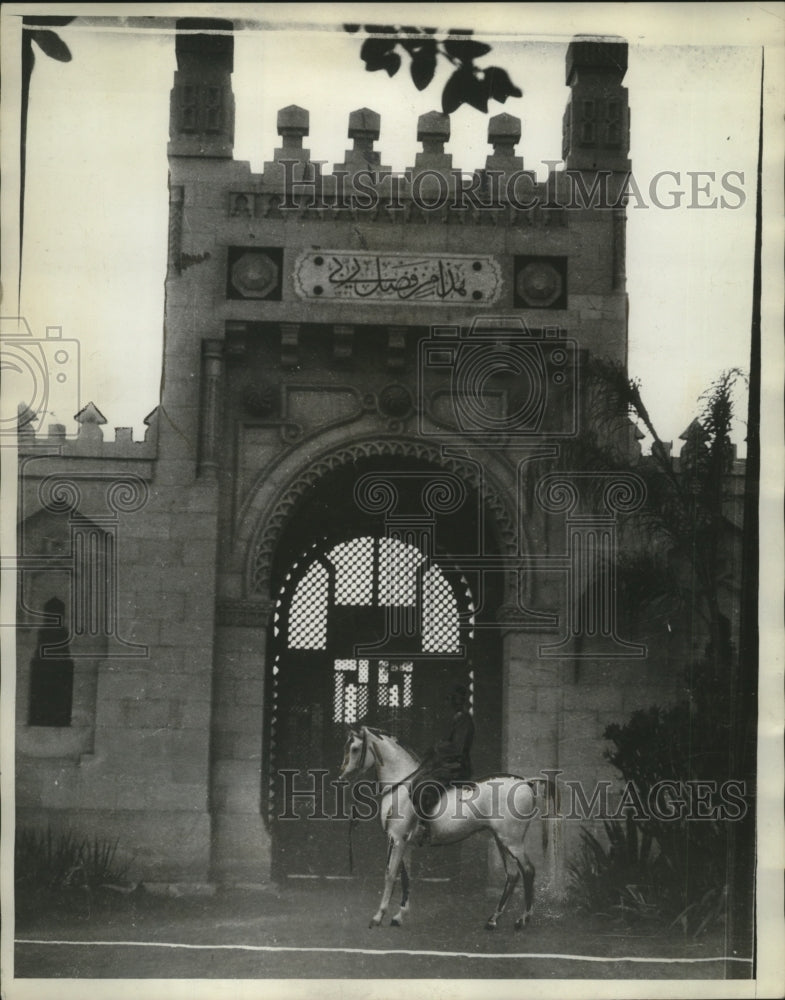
x=343, y=343
x=212, y=379
x=290, y=345
x=396, y=347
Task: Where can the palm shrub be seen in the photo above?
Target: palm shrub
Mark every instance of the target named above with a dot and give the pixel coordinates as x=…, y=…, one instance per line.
x=673, y=870
x=63, y=866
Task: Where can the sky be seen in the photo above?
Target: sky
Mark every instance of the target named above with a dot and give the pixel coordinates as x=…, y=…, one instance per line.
x=96, y=202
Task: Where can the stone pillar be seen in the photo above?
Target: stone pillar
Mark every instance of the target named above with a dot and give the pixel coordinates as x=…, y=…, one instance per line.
x=201, y=116
x=364, y=128
x=176, y=198
x=596, y=128
x=431, y=177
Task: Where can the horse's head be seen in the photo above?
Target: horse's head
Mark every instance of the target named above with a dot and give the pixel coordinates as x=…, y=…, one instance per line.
x=357, y=755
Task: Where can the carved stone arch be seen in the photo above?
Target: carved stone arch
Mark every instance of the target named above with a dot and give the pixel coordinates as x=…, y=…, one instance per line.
x=499, y=501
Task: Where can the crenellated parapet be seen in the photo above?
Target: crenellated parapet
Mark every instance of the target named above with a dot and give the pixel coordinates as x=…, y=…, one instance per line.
x=88, y=441
x=296, y=185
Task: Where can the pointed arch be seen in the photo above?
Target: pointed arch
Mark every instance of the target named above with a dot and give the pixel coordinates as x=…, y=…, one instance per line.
x=497, y=498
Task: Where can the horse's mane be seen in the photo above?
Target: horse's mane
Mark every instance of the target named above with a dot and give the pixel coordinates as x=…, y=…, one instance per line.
x=389, y=736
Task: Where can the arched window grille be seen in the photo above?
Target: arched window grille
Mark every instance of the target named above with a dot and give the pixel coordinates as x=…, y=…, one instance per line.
x=389, y=569
x=370, y=572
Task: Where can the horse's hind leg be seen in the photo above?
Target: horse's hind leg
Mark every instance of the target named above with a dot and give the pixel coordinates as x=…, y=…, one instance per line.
x=511, y=872
x=397, y=920
x=527, y=870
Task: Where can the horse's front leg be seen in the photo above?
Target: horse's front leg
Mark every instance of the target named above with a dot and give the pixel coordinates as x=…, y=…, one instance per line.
x=394, y=856
x=397, y=920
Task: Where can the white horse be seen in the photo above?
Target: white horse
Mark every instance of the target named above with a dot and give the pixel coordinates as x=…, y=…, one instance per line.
x=503, y=804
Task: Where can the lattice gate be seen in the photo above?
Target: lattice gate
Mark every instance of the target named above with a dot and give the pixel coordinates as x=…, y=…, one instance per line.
x=368, y=630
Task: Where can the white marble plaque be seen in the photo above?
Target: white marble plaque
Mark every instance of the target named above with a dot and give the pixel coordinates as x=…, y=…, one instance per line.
x=390, y=278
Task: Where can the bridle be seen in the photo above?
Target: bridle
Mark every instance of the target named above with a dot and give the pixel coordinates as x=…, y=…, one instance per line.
x=363, y=746
x=353, y=817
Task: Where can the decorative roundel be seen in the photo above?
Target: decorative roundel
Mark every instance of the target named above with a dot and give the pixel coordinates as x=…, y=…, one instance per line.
x=395, y=401
x=538, y=283
x=260, y=398
x=254, y=275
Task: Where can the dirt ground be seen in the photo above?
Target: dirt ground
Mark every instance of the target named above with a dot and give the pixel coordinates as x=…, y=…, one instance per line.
x=319, y=929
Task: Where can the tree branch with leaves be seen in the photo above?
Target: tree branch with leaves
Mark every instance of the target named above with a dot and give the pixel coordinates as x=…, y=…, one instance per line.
x=469, y=84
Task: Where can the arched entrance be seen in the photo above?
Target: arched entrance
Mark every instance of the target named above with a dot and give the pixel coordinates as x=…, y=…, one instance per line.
x=374, y=622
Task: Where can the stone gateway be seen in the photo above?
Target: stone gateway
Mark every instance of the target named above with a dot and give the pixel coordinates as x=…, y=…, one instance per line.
x=354, y=495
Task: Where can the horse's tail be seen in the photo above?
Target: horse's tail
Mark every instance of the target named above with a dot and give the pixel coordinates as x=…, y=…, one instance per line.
x=352, y=824
x=552, y=828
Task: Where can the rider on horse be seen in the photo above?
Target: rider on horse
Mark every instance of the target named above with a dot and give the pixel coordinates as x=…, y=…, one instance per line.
x=449, y=762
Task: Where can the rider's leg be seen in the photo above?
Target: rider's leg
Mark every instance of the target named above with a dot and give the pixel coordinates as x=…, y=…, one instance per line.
x=425, y=799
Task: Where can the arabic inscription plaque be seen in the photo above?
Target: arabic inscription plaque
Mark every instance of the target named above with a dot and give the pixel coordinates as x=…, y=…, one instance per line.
x=388, y=278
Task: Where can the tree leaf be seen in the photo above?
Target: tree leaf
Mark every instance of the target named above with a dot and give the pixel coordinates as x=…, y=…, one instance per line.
x=477, y=95
x=411, y=45
x=452, y=95
x=464, y=50
x=375, y=53
x=392, y=64
x=52, y=45
x=464, y=87
x=500, y=86
x=423, y=66
x=351, y=28
x=476, y=92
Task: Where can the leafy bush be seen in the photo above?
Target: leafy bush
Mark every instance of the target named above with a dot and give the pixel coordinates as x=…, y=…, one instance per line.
x=674, y=870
